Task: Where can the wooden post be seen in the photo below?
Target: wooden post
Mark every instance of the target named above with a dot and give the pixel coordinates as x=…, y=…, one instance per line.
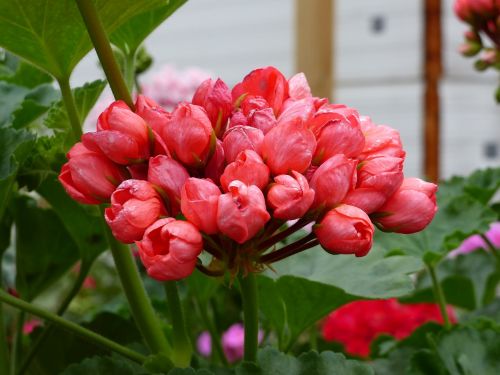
x=432, y=74
x=314, y=44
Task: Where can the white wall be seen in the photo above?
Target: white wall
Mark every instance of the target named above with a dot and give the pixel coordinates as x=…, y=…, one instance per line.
x=378, y=73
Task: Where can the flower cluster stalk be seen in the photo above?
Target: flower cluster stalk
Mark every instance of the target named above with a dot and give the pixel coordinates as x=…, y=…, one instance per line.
x=248, y=286
x=439, y=295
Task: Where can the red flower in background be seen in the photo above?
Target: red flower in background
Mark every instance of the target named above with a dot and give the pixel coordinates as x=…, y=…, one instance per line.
x=358, y=323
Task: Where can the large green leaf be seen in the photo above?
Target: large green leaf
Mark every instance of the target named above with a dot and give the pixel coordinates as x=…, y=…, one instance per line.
x=51, y=34
x=62, y=348
x=325, y=282
x=468, y=281
x=15, y=146
x=271, y=362
x=129, y=36
x=83, y=223
x=471, y=349
x=105, y=366
x=44, y=249
x=13, y=70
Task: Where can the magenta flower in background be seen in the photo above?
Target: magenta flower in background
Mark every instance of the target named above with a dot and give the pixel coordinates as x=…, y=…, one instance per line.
x=476, y=241
x=233, y=340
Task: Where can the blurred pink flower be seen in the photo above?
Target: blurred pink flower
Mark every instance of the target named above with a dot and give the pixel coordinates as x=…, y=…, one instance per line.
x=30, y=326
x=476, y=241
x=232, y=342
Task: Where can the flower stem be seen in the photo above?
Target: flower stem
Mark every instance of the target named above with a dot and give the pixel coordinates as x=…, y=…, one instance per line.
x=296, y=247
x=104, y=51
x=69, y=103
x=129, y=70
x=181, y=348
x=17, y=342
x=248, y=286
x=84, y=270
x=144, y=316
x=284, y=234
x=493, y=250
x=72, y=327
x=439, y=295
x=4, y=351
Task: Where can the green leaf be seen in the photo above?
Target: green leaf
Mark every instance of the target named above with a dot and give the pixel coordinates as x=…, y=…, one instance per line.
x=271, y=362
x=14, y=148
x=44, y=249
x=491, y=311
x=106, y=366
x=62, y=348
x=16, y=71
x=471, y=349
x=468, y=281
x=85, y=98
x=202, y=287
x=158, y=363
x=327, y=282
x=129, y=36
x=83, y=223
x=51, y=34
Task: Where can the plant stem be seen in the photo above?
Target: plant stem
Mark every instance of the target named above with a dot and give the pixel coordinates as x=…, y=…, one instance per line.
x=439, y=295
x=69, y=103
x=214, y=335
x=104, y=51
x=248, y=286
x=17, y=342
x=4, y=350
x=72, y=327
x=144, y=316
x=181, y=348
x=84, y=270
x=303, y=244
x=283, y=234
x=129, y=70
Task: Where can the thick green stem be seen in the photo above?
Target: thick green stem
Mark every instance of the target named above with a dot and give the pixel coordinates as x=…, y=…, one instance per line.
x=144, y=315
x=439, y=295
x=104, y=52
x=84, y=270
x=181, y=348
x=69, y=103
x=71, y=327
x=248, y=286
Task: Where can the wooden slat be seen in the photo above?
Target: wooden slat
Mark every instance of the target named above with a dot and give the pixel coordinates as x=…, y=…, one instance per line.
x=314, y=44
x=432, y=75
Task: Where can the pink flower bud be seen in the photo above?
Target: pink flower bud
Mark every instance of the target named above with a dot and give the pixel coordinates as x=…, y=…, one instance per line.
x=410, y=209
x=298, y=87
x=216, y=164
x=288, y=146
x=333, y=180
x=253, y=103
x=155, y=116
x=345, y=230
x=241, y=138
x=199, y=199
x=268, y=83
x=215, y=97
x=168, y=176
x=293, y=110
x=380, y=140
x=121, y=135
x=237, y=119
x=290, y=197
x=378, y=179
x=187, y=134
x=242, y=212
x=337, y=131
x=90, y=177
x=262, y=119
x=135, y=205
x=247, y=168
x=169, y=249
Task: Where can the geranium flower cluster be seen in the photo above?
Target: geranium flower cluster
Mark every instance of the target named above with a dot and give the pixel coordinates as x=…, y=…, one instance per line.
x=226, y=171
x=358, y=323
x=483, y=17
